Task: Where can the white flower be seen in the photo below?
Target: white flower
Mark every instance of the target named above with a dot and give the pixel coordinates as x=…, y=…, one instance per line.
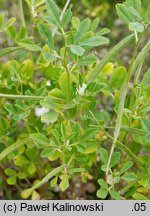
x=48, y=83
x=41, y=111
x=81, y=89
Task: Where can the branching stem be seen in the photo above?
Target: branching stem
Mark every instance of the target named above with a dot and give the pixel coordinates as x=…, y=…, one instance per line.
x=123, y=93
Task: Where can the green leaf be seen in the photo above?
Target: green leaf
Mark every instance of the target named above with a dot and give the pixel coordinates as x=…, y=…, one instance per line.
x=12, y=180
x=91, y=147
x=103, y=32
x=66, y=18
x=26, y=193
x=136, y=4
x=114, y=194
x=10, y=22
x=75, y=22
x=1, y=20
x=86, y=36
x=135, y=13
x=76, y=170
x=8, y=50
x=48, y=152
x=124, y=14
x=148, y=137
x=115, y=159
x=11, y=31
x=52, y=9
x=94, y=87
x=21, y=175
x=95, y=41
x=47, y=35
x=104, y=155
x=10, y=109
x=29, y=3
x=52, y=72
x=129, y=177
x=50, y=20
x=81, y=158
x=31, y=168
x=89, y=133
x=87, y=60
x=77, y=50
x=21, y=34
x=81, y=148
x=95, y=24
x=10, y=172
x=64, y=184
x=50, y=117
x=118, y=77
x=146, y=77
x=40, y=139
x=102, y=193
x=54, y=182
x=48, y=57
x=146, y=125
x=57, y=93
x=116, y=180
x=136, y=26
x=84, y=26
x=103, y=184
x=48, y=103
x=39, y=2
x=139, y=196
x=20, y=160
x=125, y=167
x=27, y=70
x=108, y=57
x=28, y=44
x=108, y=69
x=63, y=80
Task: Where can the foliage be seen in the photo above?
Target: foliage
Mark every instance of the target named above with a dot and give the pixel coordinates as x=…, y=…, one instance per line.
x=60, y=104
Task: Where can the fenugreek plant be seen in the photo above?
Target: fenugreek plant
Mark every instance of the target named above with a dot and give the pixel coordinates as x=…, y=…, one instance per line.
x=64, y=112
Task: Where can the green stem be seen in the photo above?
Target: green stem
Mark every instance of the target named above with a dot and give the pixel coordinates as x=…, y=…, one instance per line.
x=130, y=153
x=22, y=13
x=123, y=93
x=68, y=83
x=62, y=14
x=64, y=9
x=143, y=173
x=139, y=61
x=65, y=64
x=137, y=74
x=24, y=97
x=13, y=147
x=26, y=193
x=113, y=52
x=120, y=145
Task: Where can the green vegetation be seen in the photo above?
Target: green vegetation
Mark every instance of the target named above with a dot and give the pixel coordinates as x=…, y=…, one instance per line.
x=69, y=119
